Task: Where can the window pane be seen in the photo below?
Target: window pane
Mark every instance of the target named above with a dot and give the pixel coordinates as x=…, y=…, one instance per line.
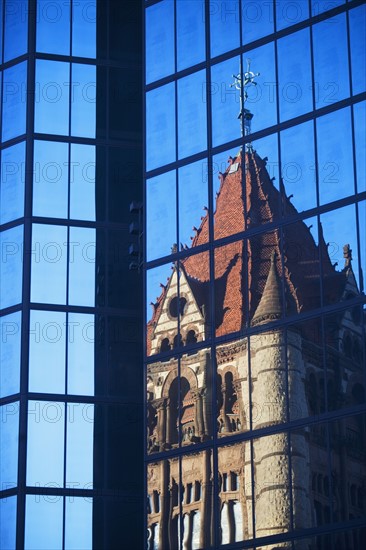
x=50, y=187
x=360, y=138
x=52, y=97
x=224, y=26
x=225, y=102
x=46, y=427
x=14, y=101
x=16, y=28
x=357, y=20
x=193, y=200
x=53, y=27
x=8, y=519
x=82, y=182
x=47, y=342
x=9, y=436
x=79, y=445
x=161, y=231
x=159, y=40
x=10, y=327
x=160, y=126
x=43, y=522
x=79, y=524
x=257, y=19
x=83, y=100
x=290, y=12
x=190, y=30
x=48, y=280
x=82, y=266
x=84, y=18
x=192, y=129
x=80, y=354
x=319, y=6
x=12, y=182
x=11, y=270
x=330, y=60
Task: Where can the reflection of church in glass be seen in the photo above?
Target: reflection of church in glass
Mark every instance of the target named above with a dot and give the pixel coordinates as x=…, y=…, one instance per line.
x=276, y=375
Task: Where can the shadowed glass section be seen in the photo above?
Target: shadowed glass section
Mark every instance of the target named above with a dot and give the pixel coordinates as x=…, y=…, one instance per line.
x=10, y=327
x=9, y=436
x=12, y=182
x=53, y=27
x=43, y=522
x=14, y=101
x=11, y=242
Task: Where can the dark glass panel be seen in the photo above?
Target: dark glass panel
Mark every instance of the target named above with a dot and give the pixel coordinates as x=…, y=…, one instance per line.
x=190, y=30
x=359, y=111
x=225, y=102
x=11, y=266
x=330, y=61
x=298, y=166
x=82, y=182
x=10, y=327
x=294, y=74
x=9, y=436
x=16, y=28
x=53, y=27
x=82, y=257
x=83, y=99
x=257, y=19
x=79, y=523
x=160, y=126
x=84, y=19
x=193, y=202
x=52, y=97
x=79, y=445
x=289, y=12
x=43, y=522
x=192, y=125
x=46, y=427
x=357, y=20
x=362, y=243
x=224, y=21
x=49, y=254
x=12, y=182
x=8, y=520
x=159, y=40
x=14, y=101
x=125, y=100
x=80, y=354
x=47, y=339
x=50, y=179
x=161, y=234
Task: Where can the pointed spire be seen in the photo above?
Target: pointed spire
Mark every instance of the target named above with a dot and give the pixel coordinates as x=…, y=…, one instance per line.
x=347, y=255
x=270, y=305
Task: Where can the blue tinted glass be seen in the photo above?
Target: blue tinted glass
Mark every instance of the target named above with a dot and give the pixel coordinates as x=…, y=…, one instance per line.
x=10, y=327
x=224, y=20
x=52, y=97
x=319, y=6
x=16, y=28
x=79, y=445
x=257, y=19
x=53, y=27
x=83, y=100
x=47, y=338
x=14, y=101
x=289, y=12
x=159, y=40
x=192, y=128
x=335, y=163
x=82, y=266
x=43, y=522
x=360, y=138
x=11, y=269
x=193, y=198
x=160, y=126
x=330, y=61
x=294, y=74
x=82, y=182
x=80, y=354
x=79, y=524
x=50, y=177
x=12, y=182
x=8, y=518
x=160, y=213
x=190, y=30
x=225, y=102
x=1, y=31
x=357, y=20
x=46, y=427
x=84, y=18
x=49, y=253
x=9, y=437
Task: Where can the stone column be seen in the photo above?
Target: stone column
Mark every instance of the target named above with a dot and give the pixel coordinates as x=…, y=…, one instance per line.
x=161, y=411
x=168, y=430
x=224, y=405
x=164, y=506
x=206, y=501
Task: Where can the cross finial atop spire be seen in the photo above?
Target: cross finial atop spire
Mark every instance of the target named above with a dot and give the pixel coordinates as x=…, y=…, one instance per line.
x=241, y=82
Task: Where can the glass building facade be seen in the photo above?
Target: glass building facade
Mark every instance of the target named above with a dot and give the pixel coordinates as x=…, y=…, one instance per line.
x=71, y=331
x=255, y=225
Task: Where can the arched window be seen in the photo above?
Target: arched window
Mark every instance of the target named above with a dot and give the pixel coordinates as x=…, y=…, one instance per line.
x=177, y=341
x=165, y=345
x=191, y=337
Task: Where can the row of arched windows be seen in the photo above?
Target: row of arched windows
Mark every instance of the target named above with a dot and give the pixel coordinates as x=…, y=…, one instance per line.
x=178, y=341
